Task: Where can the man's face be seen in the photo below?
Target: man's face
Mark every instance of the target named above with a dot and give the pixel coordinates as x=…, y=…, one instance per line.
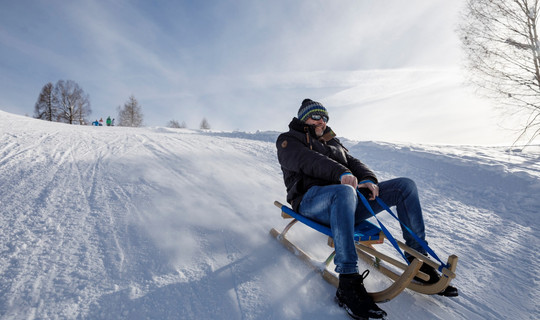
x=319, y=125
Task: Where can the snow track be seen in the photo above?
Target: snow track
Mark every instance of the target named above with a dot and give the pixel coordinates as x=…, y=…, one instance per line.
x=120, y=223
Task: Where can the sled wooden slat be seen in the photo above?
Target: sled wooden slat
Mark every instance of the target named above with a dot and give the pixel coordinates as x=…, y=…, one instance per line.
x=390, y=260
x=283, y=214
x=399, y=284
x=291, y=247
x=413, y=285
x=419, y=256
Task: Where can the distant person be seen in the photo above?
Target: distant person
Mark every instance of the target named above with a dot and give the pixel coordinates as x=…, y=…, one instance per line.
x=100, y=122
x=322, y=179
x=95, y=123
x=112, y=122
x=109, y=121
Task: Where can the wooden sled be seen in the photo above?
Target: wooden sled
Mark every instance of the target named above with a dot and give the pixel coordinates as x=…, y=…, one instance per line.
x=366, y=236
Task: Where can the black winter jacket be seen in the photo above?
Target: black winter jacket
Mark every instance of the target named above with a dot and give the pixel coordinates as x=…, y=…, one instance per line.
x=308, y=161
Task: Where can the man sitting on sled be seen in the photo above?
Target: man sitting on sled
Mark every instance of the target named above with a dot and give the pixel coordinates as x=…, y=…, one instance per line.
x=321, y=179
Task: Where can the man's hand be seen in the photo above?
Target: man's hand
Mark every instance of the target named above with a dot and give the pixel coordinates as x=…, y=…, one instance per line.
x=373, y=189
x=350, y=180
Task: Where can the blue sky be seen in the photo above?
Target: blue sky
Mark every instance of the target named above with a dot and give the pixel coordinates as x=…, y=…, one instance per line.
x=388, y=66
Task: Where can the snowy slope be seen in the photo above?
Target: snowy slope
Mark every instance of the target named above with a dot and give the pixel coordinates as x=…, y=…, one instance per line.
x=156, y=223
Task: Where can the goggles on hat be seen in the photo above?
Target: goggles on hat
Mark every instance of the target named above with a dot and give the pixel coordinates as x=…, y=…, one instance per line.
x=317, y=117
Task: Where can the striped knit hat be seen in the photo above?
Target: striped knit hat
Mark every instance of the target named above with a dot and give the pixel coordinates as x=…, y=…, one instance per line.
x=310, y=107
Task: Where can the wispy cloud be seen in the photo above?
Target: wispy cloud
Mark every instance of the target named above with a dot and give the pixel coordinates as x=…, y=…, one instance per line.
x=234, y=62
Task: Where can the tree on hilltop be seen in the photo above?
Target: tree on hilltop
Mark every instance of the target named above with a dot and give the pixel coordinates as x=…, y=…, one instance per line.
x=72, y=102
x=130, y=115
x=45, y=108
x=204, y=124
x=64, y=102
x=176, y=124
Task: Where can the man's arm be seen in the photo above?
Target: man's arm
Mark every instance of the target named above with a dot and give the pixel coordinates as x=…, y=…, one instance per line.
x=360, y=170
x=367, y=178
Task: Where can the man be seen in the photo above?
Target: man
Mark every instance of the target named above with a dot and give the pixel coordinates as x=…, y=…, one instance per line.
x=321, y=179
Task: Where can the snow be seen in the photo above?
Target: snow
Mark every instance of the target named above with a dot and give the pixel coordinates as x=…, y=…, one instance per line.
x=158, y=223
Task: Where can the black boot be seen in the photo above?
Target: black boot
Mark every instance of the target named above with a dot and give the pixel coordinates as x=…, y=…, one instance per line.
x=449, y=291
x=352, y=295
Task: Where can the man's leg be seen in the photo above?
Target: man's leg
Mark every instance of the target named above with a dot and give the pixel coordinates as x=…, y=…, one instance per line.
x=334, y=206
x=402, y=193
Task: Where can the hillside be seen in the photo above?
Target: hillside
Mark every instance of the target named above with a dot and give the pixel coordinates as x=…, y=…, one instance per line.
x=157, y=223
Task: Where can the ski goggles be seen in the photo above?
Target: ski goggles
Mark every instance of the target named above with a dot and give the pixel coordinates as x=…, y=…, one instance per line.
x=318, y=117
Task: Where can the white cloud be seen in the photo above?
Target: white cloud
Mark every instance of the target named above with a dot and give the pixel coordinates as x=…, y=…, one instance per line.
x=240, y=62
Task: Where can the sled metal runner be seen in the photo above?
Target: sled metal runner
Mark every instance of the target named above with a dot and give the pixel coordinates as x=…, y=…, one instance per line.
x=366, y=236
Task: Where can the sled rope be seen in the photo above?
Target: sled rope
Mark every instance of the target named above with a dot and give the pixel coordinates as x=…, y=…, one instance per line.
x=420, y=241
x=424, y=245
x=386, y=232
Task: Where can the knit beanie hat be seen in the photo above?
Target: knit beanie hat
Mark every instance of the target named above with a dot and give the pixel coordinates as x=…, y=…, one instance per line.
x=310, y=107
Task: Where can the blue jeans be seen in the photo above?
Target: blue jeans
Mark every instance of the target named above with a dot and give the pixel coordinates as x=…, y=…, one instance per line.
x=338, y=206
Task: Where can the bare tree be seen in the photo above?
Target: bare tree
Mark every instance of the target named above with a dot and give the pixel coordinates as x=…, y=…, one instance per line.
x=176, y=124
x=72, y=102
x=131, y=114
x=204, y=124
x=500, y=40
x=45, y=107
